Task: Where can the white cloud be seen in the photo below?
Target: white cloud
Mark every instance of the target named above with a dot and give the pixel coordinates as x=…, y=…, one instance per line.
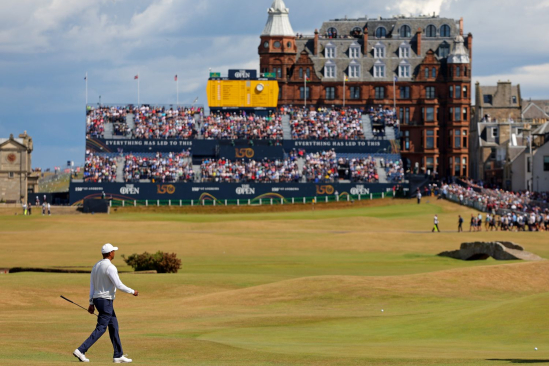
x=415, y=7
x=533, y=79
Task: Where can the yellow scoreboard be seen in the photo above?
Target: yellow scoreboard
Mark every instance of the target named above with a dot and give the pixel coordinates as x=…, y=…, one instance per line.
x=242, y=93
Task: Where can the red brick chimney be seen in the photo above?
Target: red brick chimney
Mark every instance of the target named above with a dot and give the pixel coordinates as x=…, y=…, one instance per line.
x=418, y=37
x=470, y=46
x=365, y=42
x=461, y=26
x=316, y=43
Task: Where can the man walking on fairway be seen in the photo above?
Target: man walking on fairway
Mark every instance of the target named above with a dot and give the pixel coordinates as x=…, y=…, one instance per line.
x=435, y=227
x=103, y=285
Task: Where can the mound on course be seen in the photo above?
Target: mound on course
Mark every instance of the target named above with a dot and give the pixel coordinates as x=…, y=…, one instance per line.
x=289, y=288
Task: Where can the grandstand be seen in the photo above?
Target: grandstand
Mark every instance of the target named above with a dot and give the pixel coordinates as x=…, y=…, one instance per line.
x=156, y=152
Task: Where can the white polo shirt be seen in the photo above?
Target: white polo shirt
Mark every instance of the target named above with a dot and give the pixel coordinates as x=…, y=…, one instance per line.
x=104, y=281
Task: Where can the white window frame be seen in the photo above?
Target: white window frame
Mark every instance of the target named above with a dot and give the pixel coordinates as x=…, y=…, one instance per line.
x=495, y=132
x=444, y=45
x=379, y=70
x=330, y=51
x=354, y=52
x=379, y=50
x=354, y=70
x=404, y=51
x=404, y=70
x=330, y=70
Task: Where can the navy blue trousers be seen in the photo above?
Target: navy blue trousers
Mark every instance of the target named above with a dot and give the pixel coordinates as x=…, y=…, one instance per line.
x=106, y=319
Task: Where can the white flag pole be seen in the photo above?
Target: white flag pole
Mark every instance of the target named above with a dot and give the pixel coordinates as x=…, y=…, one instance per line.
x=86, y=89
x=138, y=79
x=305, y=89
x=344, y=81
x=177, y=82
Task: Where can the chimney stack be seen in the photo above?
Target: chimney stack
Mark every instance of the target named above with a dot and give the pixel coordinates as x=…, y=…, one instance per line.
x=461, y=27
x=365, y=42
x=418, y=37
x=315, y=51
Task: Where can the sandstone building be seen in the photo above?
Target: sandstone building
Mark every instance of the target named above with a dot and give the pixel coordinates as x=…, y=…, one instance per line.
x=16, y=178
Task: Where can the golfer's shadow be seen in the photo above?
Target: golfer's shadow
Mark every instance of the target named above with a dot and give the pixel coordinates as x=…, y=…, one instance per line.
x=518, y=360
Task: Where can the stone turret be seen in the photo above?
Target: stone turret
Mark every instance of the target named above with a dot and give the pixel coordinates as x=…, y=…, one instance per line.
x=278, y=23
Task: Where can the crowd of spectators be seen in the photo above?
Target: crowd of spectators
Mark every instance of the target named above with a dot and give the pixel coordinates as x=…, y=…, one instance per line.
x=326, y=124
x=321, y=167
x=363, y=170
x=99, y=169
x=227, y=126
x=394, y=170
x=163, y=123
x=97, y=117
x=171, y=167
x=251, y=171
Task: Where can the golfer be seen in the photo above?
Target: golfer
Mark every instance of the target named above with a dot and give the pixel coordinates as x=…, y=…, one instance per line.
x=103, y=285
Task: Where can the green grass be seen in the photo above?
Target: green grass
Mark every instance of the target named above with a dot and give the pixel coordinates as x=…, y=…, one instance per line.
x=290, y=288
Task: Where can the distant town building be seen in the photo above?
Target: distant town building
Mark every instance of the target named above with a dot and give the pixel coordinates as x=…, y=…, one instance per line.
x=420, y=65
x=16, y=178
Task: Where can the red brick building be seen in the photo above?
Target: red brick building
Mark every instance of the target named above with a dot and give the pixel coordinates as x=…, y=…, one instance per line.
x=354, y=62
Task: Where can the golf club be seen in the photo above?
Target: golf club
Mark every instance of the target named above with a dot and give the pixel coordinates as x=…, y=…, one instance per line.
x=72, y=302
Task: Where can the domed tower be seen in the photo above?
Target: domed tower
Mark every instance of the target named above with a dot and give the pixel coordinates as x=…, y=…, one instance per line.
x=277, y=51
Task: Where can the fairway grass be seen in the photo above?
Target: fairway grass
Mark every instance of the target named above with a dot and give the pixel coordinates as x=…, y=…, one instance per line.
x=286, y=288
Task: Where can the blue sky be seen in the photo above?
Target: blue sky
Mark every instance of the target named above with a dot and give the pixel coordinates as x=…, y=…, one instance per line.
x=47, y=46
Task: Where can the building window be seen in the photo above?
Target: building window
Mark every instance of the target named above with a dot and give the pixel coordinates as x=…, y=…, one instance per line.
x=431, y=31
x=494, y=132
x=457, y=139
x=407, y=116
x=381, y=32
x=430, y=114
x=487, y=99
x=329, y=52
x=430, y=164
x=465, y=95
x=458, y=92
x=465, y=116
x=426, y=73
x=302, y=92
x=464, y=139
x=356, y=32
x=355, y=92
x=444, y=50
x=451, y=91
x=464, y=172
x=404, y=51
x=430, y=92
x=354, y=71
x=11, y=175
x=379, y=71
x=407, y=140
x=401, y=115
x=405, y=31
x=457, y=114
x=330, y=93
x=450, y=113
x=279, y=93
x=354, y=52
x=404, y=71
x=380, y=92
x=529, y=165
x=458, y=70
x=514, y=99
x=301, y=73
x=277, y=44
x=433, y=73
x=404, y=93
x=331, y=33
x=379, y=51
x=329, y=71
x=308, y=73
x=456, y=167
x=430, y=140
x=278, y=71
x=445, y=31
x=546, y=163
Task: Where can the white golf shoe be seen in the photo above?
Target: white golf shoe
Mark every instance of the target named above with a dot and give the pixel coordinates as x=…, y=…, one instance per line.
x=122, y=359
x=81, y=357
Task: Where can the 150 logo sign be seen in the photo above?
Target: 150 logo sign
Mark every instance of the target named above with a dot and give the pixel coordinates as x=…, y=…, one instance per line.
x=325, y=190
x=244, y=153
x=165, y=189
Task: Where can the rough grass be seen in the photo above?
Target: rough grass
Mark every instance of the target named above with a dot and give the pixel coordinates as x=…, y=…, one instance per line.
x=288, y=288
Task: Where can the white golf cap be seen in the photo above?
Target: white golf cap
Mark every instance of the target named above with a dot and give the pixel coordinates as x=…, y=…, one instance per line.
x=107, y=248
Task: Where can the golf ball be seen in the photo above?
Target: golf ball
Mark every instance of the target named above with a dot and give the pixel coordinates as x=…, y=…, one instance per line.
x=382, y=310
x=536, y=348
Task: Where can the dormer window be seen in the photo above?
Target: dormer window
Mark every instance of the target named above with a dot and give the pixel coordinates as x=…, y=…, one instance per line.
x=354, y=69
x=354, y=51
x=405, y=31
x=379, y=69
x=356, y=32
x=404, y=70
x=445, y=31
x=379, y=51
x=330, y=51
x=330, y=70
x=444, y=50
x=331, y=33
x=381, y=32
x=431, y=31
x=404, y=51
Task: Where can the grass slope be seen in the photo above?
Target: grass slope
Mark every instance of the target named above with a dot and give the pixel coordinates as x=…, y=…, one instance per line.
x=295, y=288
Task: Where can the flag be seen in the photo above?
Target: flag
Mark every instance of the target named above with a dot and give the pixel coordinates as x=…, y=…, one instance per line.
x=175, y=78
x=346, y=78
x=85, y=78
x=136, y=77
x=196, y=100
x=396, y=79
x=306, y=79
